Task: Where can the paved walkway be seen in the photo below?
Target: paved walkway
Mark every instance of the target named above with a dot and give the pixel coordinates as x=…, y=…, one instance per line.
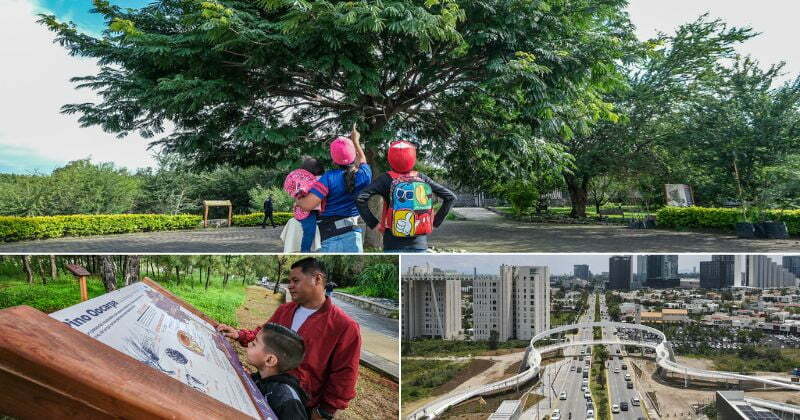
x=483, y=231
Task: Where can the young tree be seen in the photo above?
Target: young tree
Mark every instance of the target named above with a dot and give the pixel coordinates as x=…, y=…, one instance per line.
x=26, y=264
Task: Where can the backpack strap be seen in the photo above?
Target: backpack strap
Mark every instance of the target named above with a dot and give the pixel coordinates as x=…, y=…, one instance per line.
x=395, y=175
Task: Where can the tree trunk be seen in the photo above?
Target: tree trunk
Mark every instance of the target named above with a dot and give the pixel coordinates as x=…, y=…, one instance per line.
x=578, y=194
x=53, y=268
x=26, y=264
x=40, y=264
x=227, y=269
x=208, y=276
x=107, y=273
x=131, y=269
x=279, y=263
x=177, y=274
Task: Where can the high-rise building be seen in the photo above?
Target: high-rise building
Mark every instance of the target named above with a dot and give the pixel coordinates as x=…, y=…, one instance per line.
x=581, y=271
x=718, y=273
x=662, y=271
x=432, y=305
x=531, y=297
x=641, y=272
x=792, y=264
x=620, y=272
x=491, y=309
x=761, y=272
x=515, y=303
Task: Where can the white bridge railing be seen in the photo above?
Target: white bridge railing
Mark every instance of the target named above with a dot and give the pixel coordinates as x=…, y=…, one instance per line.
x=663, y=359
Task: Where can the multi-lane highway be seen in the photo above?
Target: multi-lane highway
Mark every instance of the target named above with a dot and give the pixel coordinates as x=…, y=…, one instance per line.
x=618, y=391
x=565, y=378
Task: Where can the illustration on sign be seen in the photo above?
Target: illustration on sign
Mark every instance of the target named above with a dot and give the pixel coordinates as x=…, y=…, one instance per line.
x=147, y=325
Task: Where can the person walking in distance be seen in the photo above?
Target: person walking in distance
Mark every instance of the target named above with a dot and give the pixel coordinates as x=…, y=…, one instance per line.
x=268, y=213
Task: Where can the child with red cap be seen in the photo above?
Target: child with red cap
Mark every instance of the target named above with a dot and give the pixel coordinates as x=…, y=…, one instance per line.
x=408, y=215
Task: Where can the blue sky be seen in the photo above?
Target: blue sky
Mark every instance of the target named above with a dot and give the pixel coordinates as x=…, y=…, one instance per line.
x=34, y=84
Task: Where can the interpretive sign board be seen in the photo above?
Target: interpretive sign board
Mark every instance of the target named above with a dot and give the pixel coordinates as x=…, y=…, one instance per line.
x=679, y=195
x=149, y=324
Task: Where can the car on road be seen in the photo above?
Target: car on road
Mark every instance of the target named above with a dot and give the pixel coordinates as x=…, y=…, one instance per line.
x=630, y=385
x=562, y=396
x=584, y=388
x=587, y=395
x=589, y=413
x=623, y=406
x=616, y=370
x=580, y=369
x=624, y=367
x=635, y=401
x=556, y=414
x=572, y=368
x=585, y=381
x=627, y=376
x=615, y=408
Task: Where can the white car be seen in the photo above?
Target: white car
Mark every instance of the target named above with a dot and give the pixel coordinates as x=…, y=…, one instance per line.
x=627, y=376
x=586, y=381
x=563, y=396
x=615, y=408
x=635, y=402
x=589, y=413
x=556, y=414
x=616, y=370
x=587, y=395
x=584, y=388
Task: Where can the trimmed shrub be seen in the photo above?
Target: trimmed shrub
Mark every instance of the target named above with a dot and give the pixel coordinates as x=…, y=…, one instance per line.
x=13, y=228
x=719, y=218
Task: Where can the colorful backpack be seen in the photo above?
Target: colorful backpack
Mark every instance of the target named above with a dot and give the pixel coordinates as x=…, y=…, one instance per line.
x=409, y=211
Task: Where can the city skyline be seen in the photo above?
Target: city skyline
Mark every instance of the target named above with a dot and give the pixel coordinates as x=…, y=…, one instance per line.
x=559, y=264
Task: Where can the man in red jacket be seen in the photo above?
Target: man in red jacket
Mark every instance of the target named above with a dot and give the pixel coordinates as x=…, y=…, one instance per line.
x=329, y=370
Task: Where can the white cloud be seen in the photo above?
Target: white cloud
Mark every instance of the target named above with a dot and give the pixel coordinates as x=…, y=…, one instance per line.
x=774, y=19
x=34, y=84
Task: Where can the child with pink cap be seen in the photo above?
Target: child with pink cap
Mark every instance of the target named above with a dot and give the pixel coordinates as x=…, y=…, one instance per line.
x=336, y=191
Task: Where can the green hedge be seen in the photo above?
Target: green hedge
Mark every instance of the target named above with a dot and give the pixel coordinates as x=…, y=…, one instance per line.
x=255, y=219
x=718, y=218
x=13, y=228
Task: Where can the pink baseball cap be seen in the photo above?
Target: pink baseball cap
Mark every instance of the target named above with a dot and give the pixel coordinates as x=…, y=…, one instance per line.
x=343, y=152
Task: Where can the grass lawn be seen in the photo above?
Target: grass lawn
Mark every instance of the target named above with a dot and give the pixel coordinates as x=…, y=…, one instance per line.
x=419, y=377
x=216, y=302
x=770, y=360
x=436, y=347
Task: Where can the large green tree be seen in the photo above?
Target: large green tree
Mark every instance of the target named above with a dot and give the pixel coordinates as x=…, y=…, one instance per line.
x=260, y=82
x=663, y=76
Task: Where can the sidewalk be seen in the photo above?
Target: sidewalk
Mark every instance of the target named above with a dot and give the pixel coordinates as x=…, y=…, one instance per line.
x=380, y=344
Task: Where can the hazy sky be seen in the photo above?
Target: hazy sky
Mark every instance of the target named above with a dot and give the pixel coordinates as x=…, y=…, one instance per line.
x=34, y=76
x=558, y=263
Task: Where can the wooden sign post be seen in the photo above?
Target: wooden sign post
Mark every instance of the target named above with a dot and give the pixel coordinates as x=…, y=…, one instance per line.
x=217, y=203
x=138, y=352
x=81, y=274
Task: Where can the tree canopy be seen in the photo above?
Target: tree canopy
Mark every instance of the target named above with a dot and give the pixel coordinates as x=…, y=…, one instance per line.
x=260, y=82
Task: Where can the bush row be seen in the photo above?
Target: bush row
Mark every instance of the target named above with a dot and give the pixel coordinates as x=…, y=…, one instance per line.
x=13, y=228
x=719, y=218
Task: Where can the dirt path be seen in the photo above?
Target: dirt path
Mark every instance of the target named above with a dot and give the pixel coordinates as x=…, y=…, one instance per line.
x=374, y=393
